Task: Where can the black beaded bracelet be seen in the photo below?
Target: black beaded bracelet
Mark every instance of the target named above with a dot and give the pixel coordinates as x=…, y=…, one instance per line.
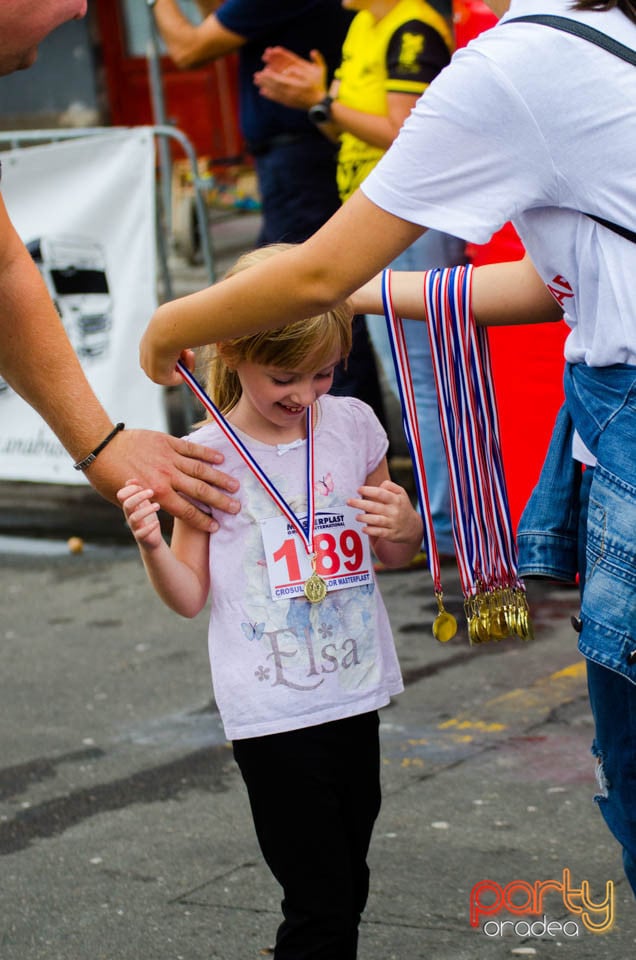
x=86, y=462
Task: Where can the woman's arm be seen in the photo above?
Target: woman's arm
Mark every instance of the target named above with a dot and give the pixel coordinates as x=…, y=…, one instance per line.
x=502, y=293
x=512, y=293
x=350, y=249
x=393, y=525
x=354, y=245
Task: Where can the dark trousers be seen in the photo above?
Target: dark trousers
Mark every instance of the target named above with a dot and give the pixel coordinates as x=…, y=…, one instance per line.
x=315, y=796
x=297, y=182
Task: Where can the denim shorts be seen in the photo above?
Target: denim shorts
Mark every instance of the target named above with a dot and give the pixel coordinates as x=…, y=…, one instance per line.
x=602, y=403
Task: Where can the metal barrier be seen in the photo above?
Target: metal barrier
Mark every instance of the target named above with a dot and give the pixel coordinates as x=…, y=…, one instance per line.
x=16, y=139
x=180, y=409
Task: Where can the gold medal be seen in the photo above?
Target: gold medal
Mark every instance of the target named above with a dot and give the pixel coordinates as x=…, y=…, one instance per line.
x=315, y=588
x=482, y=627
x=473, y=635
x=498, y=624
x=444, y=624
x=524, y=625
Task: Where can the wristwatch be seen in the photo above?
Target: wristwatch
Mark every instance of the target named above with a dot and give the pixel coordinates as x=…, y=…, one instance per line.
x=321, y=111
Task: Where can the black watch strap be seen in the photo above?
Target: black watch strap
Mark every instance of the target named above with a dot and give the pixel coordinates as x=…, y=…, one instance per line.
x=321, y=111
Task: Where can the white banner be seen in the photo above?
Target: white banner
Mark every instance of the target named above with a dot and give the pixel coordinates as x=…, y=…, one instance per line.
x=86, y=210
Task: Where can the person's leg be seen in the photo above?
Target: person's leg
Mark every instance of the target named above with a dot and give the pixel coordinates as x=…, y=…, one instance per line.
x=297, y=184
x=361, y=799
x=613, y=702
x=314, y=795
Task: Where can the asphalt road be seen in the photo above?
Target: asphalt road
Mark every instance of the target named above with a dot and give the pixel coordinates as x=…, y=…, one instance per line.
x=125, y=832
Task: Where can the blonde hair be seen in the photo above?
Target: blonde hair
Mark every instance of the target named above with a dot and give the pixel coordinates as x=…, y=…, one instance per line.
x=303, y=345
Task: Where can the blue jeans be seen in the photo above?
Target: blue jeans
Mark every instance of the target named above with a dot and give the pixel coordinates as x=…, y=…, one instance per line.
x=550, y=537
x=589, y=522
x=604, y=405
x=613, y=702
x=432, y=249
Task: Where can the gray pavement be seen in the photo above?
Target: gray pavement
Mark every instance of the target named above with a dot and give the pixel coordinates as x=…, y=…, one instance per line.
x=125, y=832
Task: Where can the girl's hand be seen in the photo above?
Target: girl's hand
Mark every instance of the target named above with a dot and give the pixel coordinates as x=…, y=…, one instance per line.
x=141, y=514
x=387, y=513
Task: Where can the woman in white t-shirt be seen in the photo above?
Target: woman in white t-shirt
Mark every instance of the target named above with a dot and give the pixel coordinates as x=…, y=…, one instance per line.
x=533, y=125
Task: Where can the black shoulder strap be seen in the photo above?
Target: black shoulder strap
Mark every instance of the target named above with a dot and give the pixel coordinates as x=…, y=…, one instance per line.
x=580, y=30
x=601, y=40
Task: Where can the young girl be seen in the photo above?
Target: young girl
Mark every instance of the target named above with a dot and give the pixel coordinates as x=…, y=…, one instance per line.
x=297, y=681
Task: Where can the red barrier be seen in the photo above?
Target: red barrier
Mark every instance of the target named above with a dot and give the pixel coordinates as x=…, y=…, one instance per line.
x=527, y=361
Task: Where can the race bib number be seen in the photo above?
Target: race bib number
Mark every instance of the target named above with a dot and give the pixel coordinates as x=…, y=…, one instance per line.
x=343, y=554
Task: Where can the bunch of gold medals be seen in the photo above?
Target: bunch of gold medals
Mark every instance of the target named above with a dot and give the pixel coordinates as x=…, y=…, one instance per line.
x=497, y=614
x=495, y=600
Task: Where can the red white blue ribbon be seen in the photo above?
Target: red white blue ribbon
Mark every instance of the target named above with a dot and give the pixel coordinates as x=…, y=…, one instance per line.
x=482, y=530
x=305, y=530
x=410, y=425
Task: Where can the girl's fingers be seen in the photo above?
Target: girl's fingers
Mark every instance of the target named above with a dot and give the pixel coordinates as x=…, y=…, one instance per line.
x=132, y=502
x=138, y=516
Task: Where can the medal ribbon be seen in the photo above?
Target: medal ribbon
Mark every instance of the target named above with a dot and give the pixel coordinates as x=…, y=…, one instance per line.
x=445, y=294
x=482, y=530
x=410, y=425
x=305, y=530
x=461, y=361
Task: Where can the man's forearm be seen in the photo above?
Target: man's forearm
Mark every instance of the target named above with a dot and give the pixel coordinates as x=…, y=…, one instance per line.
x=38, y=361
x=190, y=45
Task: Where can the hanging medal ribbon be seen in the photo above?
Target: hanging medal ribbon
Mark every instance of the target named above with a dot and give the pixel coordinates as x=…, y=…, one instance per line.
x=495, y=602
x=315, y=588
x=445, y=624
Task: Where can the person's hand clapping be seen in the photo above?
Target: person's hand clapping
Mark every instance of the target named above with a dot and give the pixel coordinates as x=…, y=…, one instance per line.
x=291, y=80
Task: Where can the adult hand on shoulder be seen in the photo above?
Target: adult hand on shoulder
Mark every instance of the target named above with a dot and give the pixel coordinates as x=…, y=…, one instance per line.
x=172, y=468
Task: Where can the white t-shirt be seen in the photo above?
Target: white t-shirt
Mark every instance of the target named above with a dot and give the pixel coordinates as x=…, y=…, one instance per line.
x=286, y=664
x=530, y=124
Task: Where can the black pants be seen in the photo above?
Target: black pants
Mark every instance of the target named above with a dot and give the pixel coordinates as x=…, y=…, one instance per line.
x=297, y=183
x=315, y=795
